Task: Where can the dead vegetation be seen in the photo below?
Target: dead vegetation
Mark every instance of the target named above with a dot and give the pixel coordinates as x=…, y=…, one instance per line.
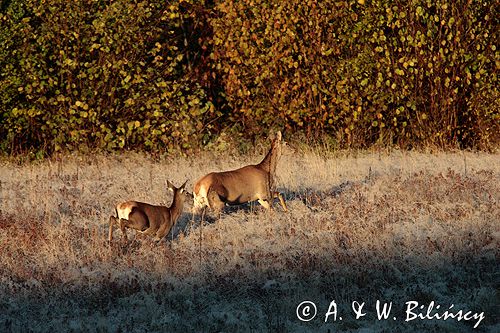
x=394, y=227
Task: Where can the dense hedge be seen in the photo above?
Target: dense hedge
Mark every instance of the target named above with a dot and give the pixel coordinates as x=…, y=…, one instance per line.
x=153, y=75
x=106, y=74
x=406, y=72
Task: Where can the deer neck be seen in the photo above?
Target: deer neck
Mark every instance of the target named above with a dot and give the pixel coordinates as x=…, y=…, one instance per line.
x=176, y=207
x=269, y=162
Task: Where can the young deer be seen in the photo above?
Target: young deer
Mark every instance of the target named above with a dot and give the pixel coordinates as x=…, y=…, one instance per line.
x=148, y=219
x=247, y=184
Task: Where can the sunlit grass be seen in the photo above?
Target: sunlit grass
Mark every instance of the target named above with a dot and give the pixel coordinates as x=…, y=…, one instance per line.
x=365, y=226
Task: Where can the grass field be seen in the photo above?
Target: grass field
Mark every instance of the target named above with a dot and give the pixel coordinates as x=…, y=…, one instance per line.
x=363, y=227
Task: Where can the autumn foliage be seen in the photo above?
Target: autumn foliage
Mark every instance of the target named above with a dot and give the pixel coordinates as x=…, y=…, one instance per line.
x=89, y=74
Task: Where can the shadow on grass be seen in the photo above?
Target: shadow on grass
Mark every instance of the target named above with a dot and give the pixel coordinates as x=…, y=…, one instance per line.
x=241, y=294
x=190, y=222
x=265, y=301
x=312, y=198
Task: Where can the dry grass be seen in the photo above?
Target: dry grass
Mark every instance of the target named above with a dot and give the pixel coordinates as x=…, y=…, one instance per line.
x=366, y=226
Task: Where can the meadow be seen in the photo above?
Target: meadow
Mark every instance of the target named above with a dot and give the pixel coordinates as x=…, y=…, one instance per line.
x=362, y=226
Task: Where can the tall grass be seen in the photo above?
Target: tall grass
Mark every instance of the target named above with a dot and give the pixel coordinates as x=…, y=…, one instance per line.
x=362, y=226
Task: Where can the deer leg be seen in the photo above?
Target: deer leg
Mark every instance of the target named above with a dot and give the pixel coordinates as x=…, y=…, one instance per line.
x=264, y=203
x=199, y=202
x=215, y=202
x=136, y=220
x=112, y=222
x=162, y=232
x=123, y=225
x=282, y=201
x=149, y=231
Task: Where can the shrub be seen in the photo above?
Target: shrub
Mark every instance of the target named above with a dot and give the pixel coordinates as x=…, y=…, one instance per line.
x=149, y=75
x=402, y=73
x=101, y=74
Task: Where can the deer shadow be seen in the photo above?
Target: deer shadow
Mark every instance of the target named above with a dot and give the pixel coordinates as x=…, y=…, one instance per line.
x=312, y=198
x=189, y=222
x=309, y=196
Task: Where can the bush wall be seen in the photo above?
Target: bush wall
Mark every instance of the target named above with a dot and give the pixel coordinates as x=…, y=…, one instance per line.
x=93, y=74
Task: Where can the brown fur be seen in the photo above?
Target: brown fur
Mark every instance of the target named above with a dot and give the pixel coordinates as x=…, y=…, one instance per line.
x=149, y=219
x=246, y=184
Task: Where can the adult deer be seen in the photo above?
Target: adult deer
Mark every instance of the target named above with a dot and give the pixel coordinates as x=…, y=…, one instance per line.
x=149, y=219
x=247, y=184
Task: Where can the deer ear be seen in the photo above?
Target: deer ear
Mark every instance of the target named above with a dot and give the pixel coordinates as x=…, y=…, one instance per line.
x=184, y=185
x=275, y=136
x=170, y=186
